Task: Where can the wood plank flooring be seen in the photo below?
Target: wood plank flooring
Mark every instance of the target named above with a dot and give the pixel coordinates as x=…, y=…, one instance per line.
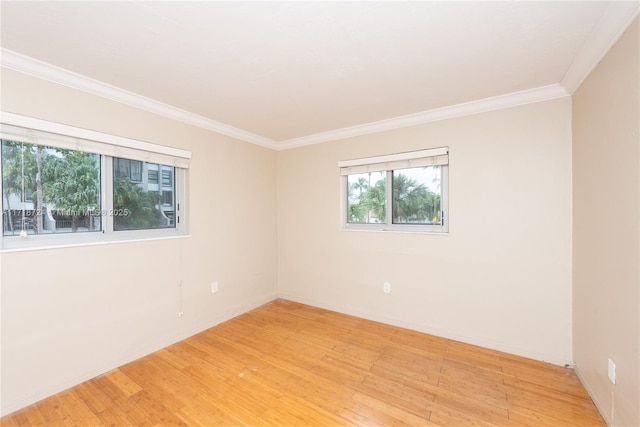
x=288, y=364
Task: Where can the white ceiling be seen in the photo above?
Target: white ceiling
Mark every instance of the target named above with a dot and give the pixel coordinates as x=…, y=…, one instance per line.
x=283, y=74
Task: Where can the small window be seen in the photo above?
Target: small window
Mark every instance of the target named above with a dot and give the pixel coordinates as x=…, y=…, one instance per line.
x=27, y=196
x=136, y=170
x=126, y=168
x=401, y=192
x=167, y=177
x=122, y=168
x=167, y=198
x=153, y=176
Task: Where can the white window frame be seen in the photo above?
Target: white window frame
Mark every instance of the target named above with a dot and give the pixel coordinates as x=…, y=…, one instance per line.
x=36, y=131
x=388, y=163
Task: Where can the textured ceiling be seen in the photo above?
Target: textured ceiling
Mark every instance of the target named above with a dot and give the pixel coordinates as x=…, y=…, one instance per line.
x=286, y=70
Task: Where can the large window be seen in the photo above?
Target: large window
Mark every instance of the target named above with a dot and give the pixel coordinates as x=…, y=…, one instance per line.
x=402, y=192
x=59, y=189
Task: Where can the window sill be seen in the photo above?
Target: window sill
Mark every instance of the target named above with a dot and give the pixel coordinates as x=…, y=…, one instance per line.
x=394, y=231
x=22, y=247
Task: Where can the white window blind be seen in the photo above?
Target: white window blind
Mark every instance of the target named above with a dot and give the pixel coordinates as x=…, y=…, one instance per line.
x=412, y=159
x=15, y=127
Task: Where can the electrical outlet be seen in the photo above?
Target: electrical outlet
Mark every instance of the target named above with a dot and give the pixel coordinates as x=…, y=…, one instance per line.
x=214, y=287
x=611, y=371
x=386, y=287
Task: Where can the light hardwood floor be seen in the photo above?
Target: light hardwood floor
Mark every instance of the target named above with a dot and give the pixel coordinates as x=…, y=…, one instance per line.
x=288, y=364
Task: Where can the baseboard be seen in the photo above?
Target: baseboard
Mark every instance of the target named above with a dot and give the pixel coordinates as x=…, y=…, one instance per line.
x=599, y=405
x=165, y=341
x=482, y=342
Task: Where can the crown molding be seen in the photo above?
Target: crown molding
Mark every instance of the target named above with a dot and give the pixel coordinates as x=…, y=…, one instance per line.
x=612, y=25
x=43, y=70
x=513, y=99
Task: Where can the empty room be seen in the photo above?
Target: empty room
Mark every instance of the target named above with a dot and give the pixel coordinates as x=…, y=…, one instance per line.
x=320, y=213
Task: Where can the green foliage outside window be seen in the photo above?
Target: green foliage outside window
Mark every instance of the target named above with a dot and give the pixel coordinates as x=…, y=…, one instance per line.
x=66, y=179
x=134, y=208
x=413, y=201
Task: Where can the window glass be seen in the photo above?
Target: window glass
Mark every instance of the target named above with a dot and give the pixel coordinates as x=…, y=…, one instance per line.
x=416, y=195
x=139, y=205
x=65, y=199
x=366, y=201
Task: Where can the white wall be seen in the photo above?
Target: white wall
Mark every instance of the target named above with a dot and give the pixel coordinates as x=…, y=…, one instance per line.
x=501, y=278
x=70, y=314
x=606, y=228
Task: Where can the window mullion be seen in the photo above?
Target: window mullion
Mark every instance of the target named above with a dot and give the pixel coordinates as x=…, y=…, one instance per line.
x=389, y=199
x=108, y=195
